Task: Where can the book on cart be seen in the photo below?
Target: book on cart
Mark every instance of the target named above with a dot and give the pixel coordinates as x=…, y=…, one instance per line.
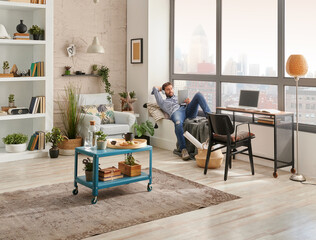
x=109, y=172
x=104, y=179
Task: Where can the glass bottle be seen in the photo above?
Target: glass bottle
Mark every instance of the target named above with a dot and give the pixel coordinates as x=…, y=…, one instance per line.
x=92, y=138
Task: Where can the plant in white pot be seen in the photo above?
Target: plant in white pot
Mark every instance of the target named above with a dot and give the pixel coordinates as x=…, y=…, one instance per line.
x=15, y=142
x=101, y=140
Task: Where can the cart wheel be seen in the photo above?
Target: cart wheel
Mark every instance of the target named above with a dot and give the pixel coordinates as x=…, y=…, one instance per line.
x=75, y=191
x=275, y=174
x=149, y=187
x=293, y=170
x=94, y=200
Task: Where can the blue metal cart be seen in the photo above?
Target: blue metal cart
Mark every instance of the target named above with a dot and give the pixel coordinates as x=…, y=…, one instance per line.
x=95, y=185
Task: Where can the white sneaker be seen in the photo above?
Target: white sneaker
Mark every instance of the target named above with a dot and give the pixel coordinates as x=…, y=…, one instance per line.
x=184, y=154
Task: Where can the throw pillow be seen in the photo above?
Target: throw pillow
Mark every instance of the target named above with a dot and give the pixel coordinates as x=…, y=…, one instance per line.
x=103, y=111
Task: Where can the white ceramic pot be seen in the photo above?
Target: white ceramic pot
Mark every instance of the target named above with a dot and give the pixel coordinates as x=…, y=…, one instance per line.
x=101, y=145
x=14, y=148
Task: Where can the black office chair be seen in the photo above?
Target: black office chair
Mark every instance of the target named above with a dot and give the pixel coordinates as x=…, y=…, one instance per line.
x=221, y=132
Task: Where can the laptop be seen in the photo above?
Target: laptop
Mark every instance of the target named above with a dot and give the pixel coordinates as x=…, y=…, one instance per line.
x=182, y=95
x=248, y=99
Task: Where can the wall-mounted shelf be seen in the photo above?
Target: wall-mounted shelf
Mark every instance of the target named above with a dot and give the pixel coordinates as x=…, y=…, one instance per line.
x=83, y=75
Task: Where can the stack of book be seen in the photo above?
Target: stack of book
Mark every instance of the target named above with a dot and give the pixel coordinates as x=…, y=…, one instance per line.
x=37, y=141
x=108, y=174
x=21, y=36
x=37, y=69
x=37, y=105
x=38, y=1
x=266, y=120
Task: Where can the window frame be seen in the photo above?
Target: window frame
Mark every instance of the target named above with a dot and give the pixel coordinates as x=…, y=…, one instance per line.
x=281, y=81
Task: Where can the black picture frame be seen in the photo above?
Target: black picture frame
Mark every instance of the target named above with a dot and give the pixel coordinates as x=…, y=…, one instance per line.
x=136, y=51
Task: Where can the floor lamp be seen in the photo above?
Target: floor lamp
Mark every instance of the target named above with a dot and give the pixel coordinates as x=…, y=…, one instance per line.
x=296, y=66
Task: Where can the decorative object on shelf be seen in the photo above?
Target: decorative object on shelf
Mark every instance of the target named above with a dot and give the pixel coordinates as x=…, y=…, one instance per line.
x=71, y=50
x=36, y=31
x=80, y=73
x=129, y=167
x=14, y=70
x=95, y=47
x=21, y=28
x=67, y=71
x=127, y=99
x=6, y=67
x=296, y=66
x=3, y=113
x=18, y=111
x=88, y=168
x=142, y=129
x=94, y=69
x=137, y=50
x=71, y=118
x=11, y=100
x=101, y=140
x=15, y=142
x=104, y=73
x=3, y=33
x=55, y=137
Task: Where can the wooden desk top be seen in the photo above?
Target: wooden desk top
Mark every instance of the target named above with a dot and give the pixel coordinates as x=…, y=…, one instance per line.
x=253, y=111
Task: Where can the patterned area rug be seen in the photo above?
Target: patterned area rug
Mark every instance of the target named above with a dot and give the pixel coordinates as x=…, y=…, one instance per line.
x=52, y=212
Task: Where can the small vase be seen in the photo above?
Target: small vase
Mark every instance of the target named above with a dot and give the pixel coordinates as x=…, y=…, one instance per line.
x=53, y=152
x=36, y=36
x=11, y=104
x=101, y=145
x=89, y=176
x=6, y=71
x=21, y=28
x=67, y=72
x=94, y=72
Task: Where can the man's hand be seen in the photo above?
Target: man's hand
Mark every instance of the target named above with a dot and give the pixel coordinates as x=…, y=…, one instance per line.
x=187, y=100
x=158, y=87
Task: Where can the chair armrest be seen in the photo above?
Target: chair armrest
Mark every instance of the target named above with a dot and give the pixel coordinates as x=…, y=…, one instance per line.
x=124, y=118
x=84, y=125
x=236, y=131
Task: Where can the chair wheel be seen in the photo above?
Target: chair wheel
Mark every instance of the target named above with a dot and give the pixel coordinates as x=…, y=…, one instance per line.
x=149, y=187
x=94, y=200
x=75, y=191
x=275, y=174
x=293, y=170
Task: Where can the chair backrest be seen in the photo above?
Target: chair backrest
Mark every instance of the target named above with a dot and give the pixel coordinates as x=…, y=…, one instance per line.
x=94, y=99
x=220, y=124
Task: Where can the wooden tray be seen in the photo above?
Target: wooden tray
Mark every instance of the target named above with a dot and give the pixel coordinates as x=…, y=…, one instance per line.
x=138, y=143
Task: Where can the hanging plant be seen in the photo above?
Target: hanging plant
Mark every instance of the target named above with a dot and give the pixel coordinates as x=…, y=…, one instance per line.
x=104, y=73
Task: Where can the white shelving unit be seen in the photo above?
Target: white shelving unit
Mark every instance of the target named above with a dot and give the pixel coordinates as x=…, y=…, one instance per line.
x=23, y=53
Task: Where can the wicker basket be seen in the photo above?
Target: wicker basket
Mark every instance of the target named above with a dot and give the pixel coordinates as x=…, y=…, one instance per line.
x=128, y=170
x=216, y=158
x=67, y=147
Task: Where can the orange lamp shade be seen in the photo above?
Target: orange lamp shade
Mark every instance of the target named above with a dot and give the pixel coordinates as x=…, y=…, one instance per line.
x=296, y=65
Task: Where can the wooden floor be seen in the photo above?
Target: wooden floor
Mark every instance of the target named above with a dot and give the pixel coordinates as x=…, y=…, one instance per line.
x=268, y=209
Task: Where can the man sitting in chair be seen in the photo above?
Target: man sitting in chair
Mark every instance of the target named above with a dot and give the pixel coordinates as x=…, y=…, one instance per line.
x=178, y=113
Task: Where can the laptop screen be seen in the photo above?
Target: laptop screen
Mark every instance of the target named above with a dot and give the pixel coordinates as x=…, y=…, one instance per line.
x=248, y=98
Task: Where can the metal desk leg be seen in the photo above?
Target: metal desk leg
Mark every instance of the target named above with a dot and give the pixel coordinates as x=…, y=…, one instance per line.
x=149, y=187
x=275, y=173
x=75, y=191
x=95, y=179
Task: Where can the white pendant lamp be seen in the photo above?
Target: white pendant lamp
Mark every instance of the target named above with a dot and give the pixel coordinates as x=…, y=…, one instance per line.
x=95, y=47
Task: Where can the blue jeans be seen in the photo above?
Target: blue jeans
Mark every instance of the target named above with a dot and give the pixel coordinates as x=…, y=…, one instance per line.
x=189, y=111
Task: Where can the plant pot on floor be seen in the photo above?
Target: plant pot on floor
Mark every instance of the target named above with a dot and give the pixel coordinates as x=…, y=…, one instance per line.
x=144, y=137
x=15, y=148
x=128, y=170
x=67, y=147
x=89, y=175
x=101, y=145
x=54, y=152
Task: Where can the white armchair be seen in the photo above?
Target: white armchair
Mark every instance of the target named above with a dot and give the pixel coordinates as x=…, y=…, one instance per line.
x=123, y=120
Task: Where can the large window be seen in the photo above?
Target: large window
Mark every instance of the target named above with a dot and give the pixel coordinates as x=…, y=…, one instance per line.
x=195, y=36
x=300, y=36
x=208, y=89
x=249, y=37
x=268, y=97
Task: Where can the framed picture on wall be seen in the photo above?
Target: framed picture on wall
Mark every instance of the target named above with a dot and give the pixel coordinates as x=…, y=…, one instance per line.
x=137, y=50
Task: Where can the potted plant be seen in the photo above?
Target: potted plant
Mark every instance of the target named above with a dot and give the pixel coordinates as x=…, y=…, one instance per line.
x=143, y=128
x=104, y=73
x=67, y=70
x=94, y=69
x=88, y=168
x=36, y=31
x=15, y=142
x=55, y=137
x=129, y=167
x=11, y=100
x=101, y=140
x=6, y=67
x=71, y=119
x=127, y=100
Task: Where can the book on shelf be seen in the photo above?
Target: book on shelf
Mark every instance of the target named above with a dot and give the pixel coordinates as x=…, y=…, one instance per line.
x=104, y=179
x=37, y=69
x=109, y=172
x=37, y=105
x=266, y=120
x=21, y=34
x=37, y=1
x=32, y=143
x=37, y=141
